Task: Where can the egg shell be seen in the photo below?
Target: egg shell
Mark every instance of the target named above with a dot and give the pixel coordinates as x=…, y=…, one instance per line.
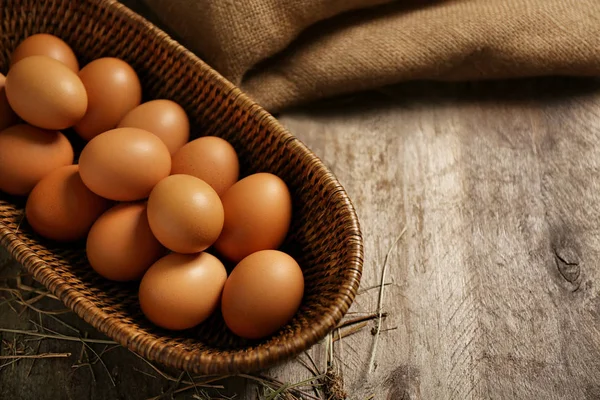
x=211, y=159
x=60, y=207
x=124, y=164
x=28, y=154
x=43, y=44
x=180, y=291
x=258, y=213
x=120, y=245
x=185, y=214
x=165, y=118
x=7, y=115
x=113, y=89
x=262, y=294
x=46, y=93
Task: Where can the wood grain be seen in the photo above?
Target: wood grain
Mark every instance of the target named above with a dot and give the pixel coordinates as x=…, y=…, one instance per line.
x=494, y=288
x=495, y=283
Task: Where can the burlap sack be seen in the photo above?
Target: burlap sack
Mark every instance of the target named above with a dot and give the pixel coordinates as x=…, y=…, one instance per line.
x=284, y=52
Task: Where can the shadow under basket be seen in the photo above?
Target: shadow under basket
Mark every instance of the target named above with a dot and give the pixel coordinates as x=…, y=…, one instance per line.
x=324, y=238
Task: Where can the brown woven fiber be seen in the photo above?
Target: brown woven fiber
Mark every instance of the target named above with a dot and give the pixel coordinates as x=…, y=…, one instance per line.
x=325, y=236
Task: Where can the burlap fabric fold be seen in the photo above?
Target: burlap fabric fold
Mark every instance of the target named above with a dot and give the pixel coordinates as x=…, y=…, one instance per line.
x=286, y=52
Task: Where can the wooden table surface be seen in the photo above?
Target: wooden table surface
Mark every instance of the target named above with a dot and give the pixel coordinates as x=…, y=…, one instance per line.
x=492, y=292
x=493, y=289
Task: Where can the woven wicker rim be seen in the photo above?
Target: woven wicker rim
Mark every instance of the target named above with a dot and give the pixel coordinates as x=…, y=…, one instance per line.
x=199, y=362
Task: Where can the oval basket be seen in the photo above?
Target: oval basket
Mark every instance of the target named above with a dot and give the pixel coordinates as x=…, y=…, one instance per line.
x=325, y=236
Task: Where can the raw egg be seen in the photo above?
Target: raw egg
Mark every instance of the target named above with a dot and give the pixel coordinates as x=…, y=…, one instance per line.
x=46, y=93
x=165, y=118
x=60, y=207
x=211, y=159
x=43, y=44
x=262, y=294
x=28, y=154
x=185, y=213
x=120, y=245
x=258, y=213
x=124, y=164
x=113, y=89
x=181, y=290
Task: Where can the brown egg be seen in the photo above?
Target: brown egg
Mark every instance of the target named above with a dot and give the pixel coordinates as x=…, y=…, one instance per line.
x=262, y=294
x=46, y=93
x=258, y=213
x=28, y=154
x=211, y=159
x=185, y=214
x=113, y=89
x=43, y=44
x=124, y=164
x=7, y=115
x=181, y=290
x=120, y=245
x=165, y=118
x=60, y=207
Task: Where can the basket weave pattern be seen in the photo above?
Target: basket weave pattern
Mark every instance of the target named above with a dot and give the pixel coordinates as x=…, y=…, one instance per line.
x=325, y=236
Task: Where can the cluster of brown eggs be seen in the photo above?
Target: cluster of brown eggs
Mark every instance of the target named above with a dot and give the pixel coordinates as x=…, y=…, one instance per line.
x=148, y=202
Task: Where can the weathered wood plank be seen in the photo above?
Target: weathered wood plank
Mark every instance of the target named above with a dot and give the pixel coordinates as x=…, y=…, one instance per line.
x=494, y=286
x=497, y=188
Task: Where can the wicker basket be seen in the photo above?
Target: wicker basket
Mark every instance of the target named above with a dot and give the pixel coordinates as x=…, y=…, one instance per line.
x=325, y=237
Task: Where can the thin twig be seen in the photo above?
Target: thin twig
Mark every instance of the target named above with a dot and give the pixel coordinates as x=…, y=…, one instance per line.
x=39, y=344
x=308, y=367
x=36, y=356
x=35, y=299
x=58, y=312
x=26, y=288
x=18, y=298
x=312, y=361
x=33, y=362
x=204, y=384
x=369, y=288
x=101, y=361
x=83, y=350
x=9, y=363
x=330, y=352
x=7, y=301
x=60, y=337
x=20, y=221
x=380, y=302
x=191, y=384
x=80, y=362
x=341, y=354
x=44, y=329
x=144, y=373
x=81, y=353
x=10, y=304
x=327, y=344
x=195, y=387
x=361, y=319
x=175, y=385
x=161, y=373
x=337, y=335
x=269, y=382
x=359, y=313
x=91, y=368
x=63, y=323
x=106, y=350
x=315, y=372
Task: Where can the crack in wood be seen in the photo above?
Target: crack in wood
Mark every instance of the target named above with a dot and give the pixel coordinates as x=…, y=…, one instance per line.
x=570, y=271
